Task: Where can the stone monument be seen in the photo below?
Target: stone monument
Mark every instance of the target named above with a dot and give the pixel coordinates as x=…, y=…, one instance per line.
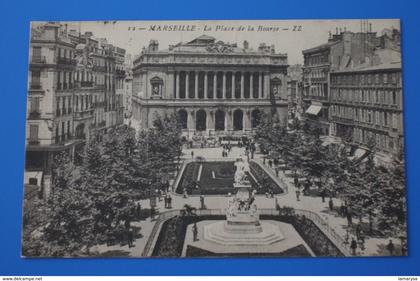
x=242, y=232
x=242, y=225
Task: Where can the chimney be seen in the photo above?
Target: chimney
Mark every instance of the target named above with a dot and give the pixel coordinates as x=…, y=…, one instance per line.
x=347, y=37
x=153, y=46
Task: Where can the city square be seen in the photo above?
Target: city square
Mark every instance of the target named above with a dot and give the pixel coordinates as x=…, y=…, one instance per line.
x=205, y=148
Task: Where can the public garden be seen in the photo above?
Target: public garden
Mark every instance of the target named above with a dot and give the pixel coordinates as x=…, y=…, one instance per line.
x=140, y=194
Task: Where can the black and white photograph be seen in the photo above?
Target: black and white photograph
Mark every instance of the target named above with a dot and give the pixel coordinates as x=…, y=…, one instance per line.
x=231, y=138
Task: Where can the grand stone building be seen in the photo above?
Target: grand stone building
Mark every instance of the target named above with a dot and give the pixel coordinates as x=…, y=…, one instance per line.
x=367, y=104
x=71, y=95
x=214, y=87
x=344, y=50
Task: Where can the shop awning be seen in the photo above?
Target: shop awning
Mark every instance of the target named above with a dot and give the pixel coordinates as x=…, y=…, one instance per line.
x=314, y=109
x=33, y=177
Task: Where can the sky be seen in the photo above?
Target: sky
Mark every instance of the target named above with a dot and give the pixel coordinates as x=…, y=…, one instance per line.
x=288, y=36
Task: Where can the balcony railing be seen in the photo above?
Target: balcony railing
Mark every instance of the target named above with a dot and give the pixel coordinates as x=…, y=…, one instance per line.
x=120, y=72
x=99, y=68
x=82, y=114
x=343, y=120
x=313, y=97
x=34, y=141
x=39, y=59
x=86, y=84
x=34, y=115
x=35, y=86
x=68, y=61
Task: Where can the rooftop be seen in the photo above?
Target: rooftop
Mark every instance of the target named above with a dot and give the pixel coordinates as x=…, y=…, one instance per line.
x=207, y=44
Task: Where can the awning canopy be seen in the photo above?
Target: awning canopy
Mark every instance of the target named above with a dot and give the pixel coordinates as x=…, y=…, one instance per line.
x=33, y=177
x=314, y=109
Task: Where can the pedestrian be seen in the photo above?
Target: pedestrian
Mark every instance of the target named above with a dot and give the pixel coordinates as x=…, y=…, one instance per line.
x=404, y=248
x=271, y=193
x=127, y=224
x=342, y=210
x=169, y=201
x=165, y=199
x=296, y=179
x=331, y=204
x=130, y=238
x=159, y=194
x=195, y=232
x=345, y=210
x=390, y=247
x=202, y=202
x=358, y=230
x=362, y=236
x=152, y=213
x=323, y=193
x=349, y=219
x=192, y=154
x=297, y=195
x=307, y=186
x=353, y=246
x=138, y=211
x=185, y=194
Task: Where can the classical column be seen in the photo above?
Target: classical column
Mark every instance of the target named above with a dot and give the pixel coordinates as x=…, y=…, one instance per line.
x=266, y=84
x=209, y=121
x=169, y=86
x=227, y=120
x=196, y=85
x=176, y=92
x=259, y=85
x=144, y=76
x=190, y=120
x=242, y=85
x=214, y=85
x=251, y=85
x=205, y=85
x=187, y=85
x=247, y=120
x=233, y=85
x=224, y=85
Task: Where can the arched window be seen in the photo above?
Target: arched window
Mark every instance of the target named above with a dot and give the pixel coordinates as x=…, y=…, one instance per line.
x=200, y=120
x=255, y=118
x=219, y=120
x=238, y=117
x=276, y=87
x=157, y=84
x=183, y=118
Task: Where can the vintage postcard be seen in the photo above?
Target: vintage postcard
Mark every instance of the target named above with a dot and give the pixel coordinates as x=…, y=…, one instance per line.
x=215, y=139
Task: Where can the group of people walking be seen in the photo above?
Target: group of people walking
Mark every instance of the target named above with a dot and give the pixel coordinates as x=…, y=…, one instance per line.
x=227, y=147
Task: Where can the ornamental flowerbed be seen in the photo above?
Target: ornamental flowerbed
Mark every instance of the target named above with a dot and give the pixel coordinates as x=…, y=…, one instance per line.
x=222, y=182
x=171, y=237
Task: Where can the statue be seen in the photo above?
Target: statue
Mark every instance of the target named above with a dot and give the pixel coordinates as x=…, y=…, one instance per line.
x=241, y=176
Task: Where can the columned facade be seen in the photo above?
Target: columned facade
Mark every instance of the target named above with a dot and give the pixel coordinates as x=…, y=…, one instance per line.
x=251, y=85
x=212, y=92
